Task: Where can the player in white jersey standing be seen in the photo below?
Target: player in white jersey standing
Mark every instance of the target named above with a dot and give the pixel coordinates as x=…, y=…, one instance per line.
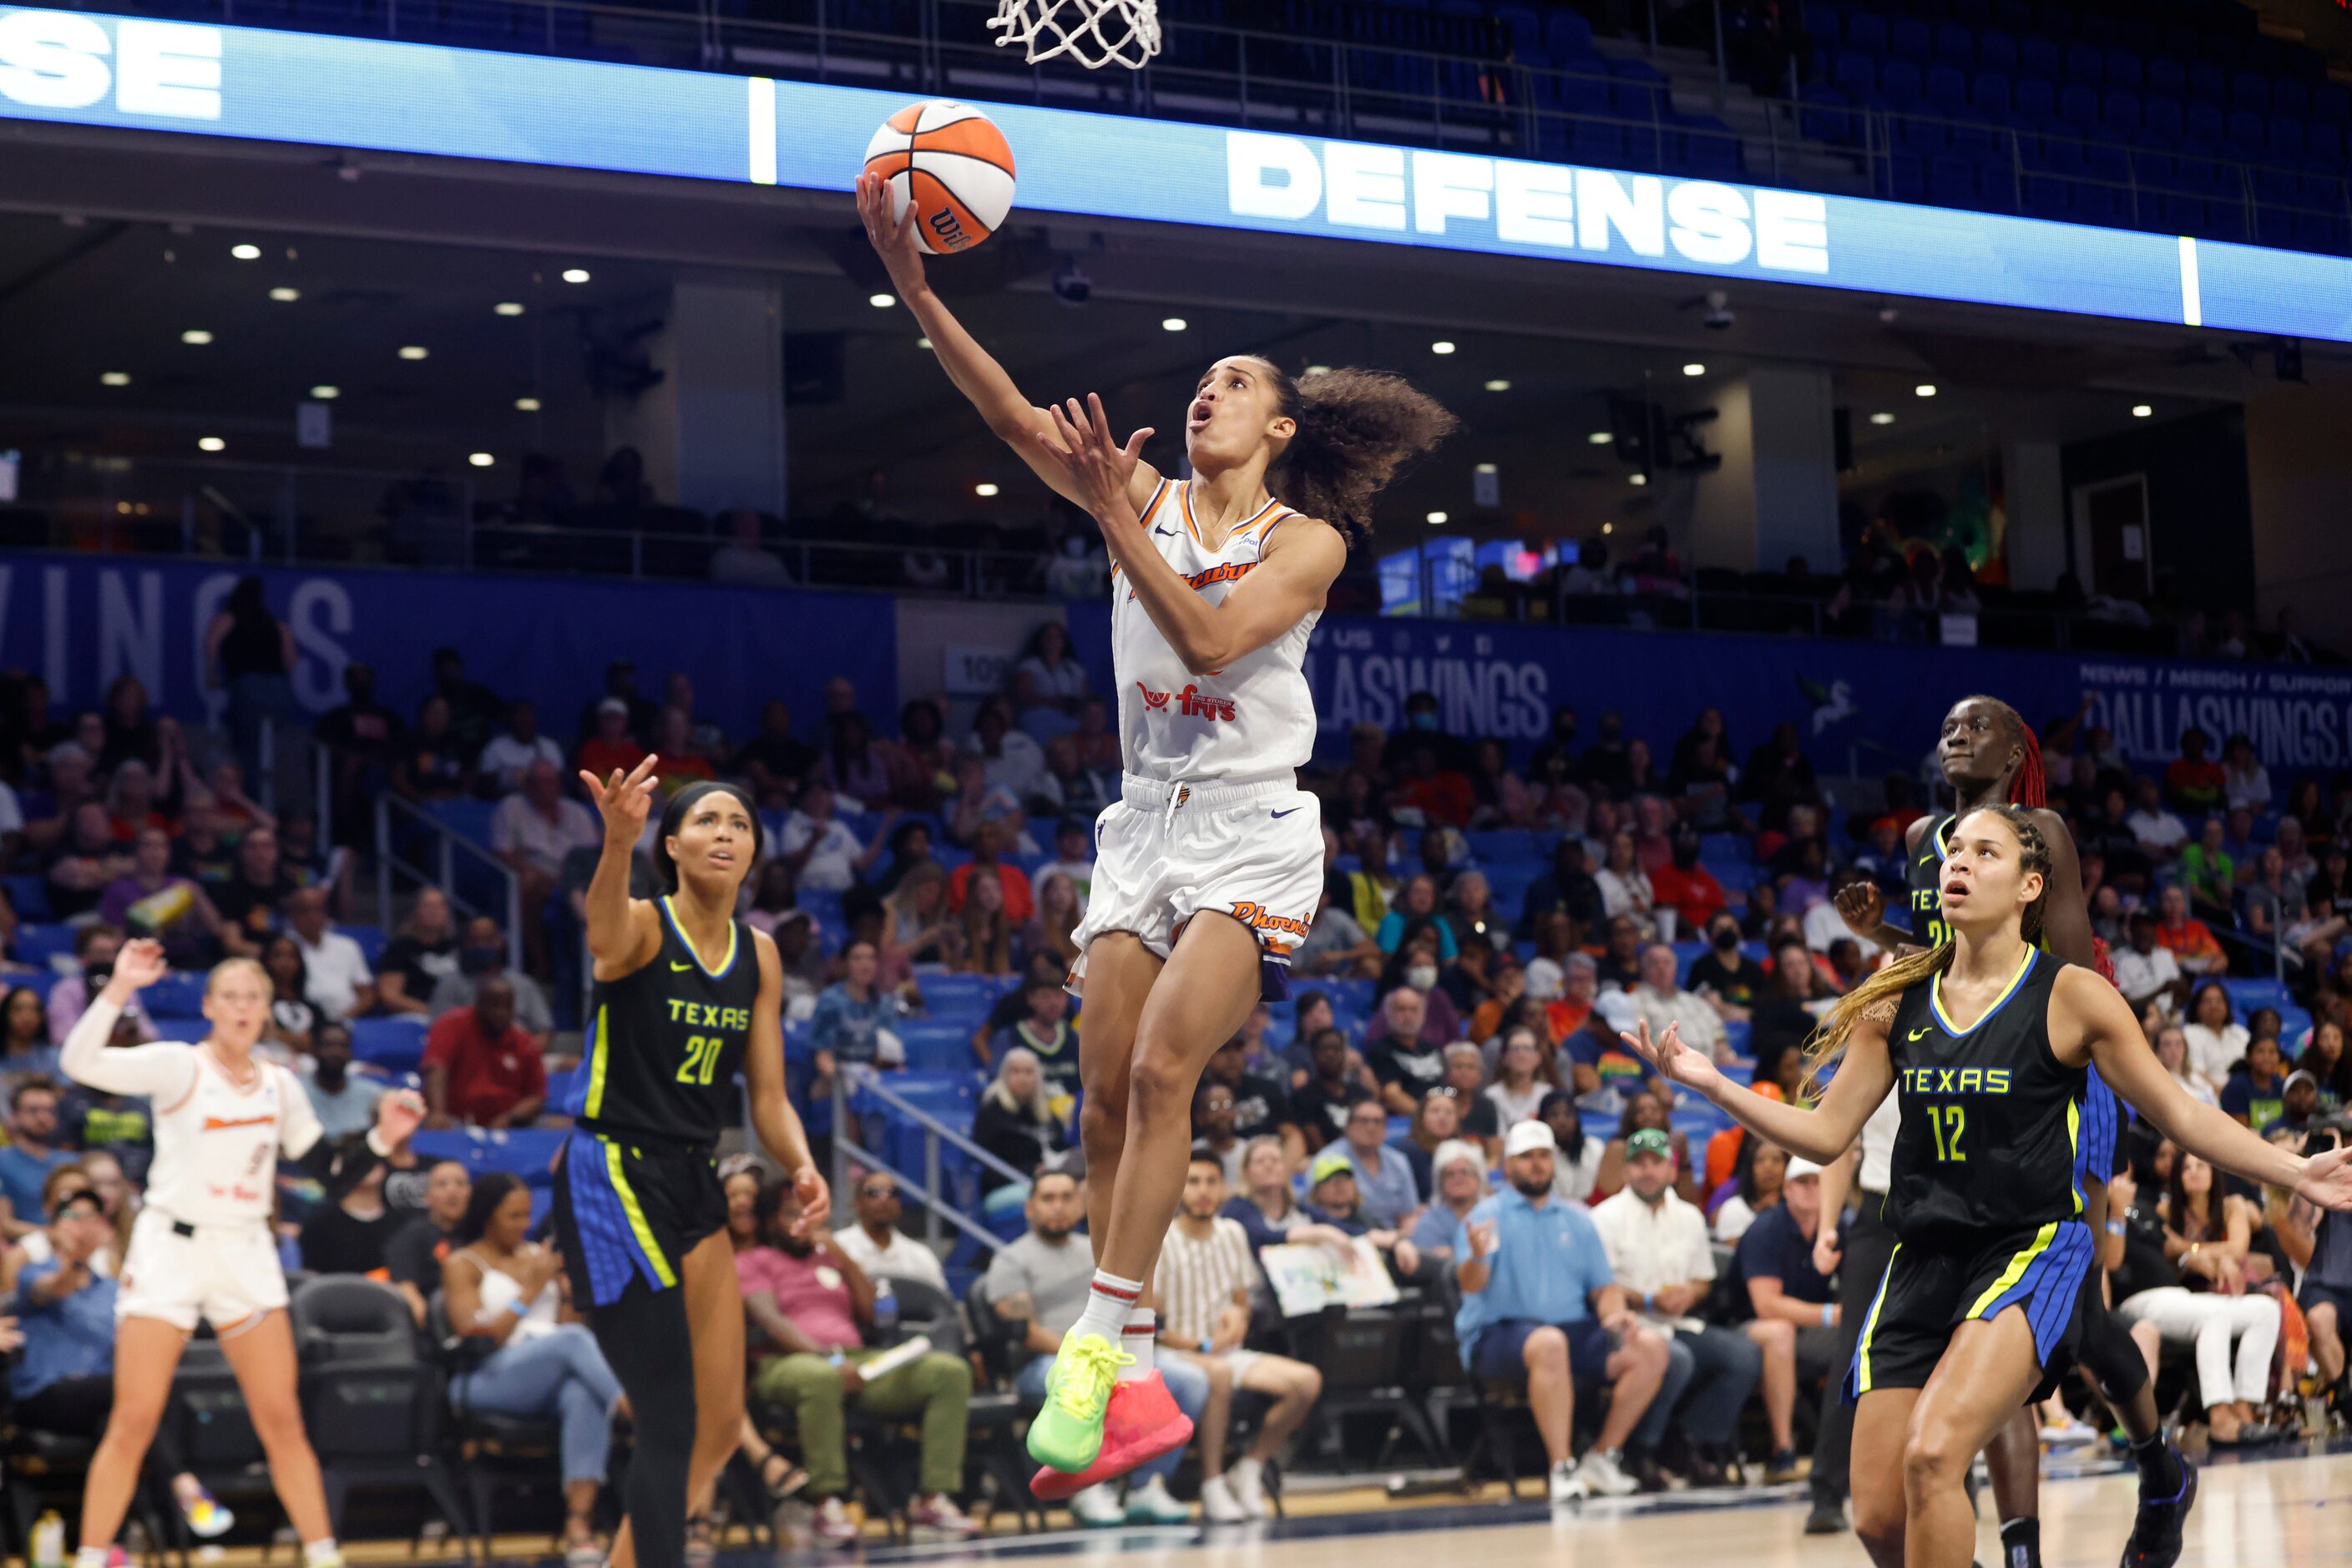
x=1216, y=584
x=203, y=1244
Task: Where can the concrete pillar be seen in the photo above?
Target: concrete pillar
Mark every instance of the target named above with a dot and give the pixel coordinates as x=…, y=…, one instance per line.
x=1775, y=495
x=713, y=432
x=2299, y=488
x=2036, y=504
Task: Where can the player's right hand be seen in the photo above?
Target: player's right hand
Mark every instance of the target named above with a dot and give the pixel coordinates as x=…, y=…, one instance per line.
x=1864, y=907
x=1825, y=1252
x=623, y=802
x=1676, y=1062
x=138, y=966
x=892, y=239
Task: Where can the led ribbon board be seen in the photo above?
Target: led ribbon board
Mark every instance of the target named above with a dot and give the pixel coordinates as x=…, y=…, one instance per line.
x=78, y=69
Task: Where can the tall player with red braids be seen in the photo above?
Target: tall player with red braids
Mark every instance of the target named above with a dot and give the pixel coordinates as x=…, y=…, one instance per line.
x=1990, y=756
x=1211, y=863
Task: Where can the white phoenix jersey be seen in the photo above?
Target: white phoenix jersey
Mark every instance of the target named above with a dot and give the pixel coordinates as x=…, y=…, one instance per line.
x=1252, y=719
x=216, y=1144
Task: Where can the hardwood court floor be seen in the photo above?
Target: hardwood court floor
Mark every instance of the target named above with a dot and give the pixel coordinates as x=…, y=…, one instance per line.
x=2287, y=1512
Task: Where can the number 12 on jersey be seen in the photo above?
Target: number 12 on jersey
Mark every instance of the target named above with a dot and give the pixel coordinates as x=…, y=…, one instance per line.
x=1946, y=1121
x=701, y=1059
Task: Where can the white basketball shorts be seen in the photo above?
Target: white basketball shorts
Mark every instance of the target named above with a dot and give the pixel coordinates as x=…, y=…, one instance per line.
x=224, y=1274
x=1165, y=852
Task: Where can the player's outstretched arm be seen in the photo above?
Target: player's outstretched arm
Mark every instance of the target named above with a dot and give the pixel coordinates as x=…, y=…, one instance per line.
x=1864, y=1075
x=624, y=934
x=2091, y=1018
x=1015, y=420
x=1289, y=583
x=774, y=1119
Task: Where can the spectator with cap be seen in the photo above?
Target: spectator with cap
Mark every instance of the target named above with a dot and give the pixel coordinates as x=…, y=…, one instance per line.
x=1074, y=857
x=1658, y=1249
x=1661, y=1003
x=1774, y=1269
x=481, y=954
x=1540, y=1309
x=2299, y=1103
x=876, y=1245
x=1334, y=1199
x=481, y=1068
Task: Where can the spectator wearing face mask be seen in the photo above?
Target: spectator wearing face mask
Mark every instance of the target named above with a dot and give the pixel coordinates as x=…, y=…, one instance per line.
x=1730, y=982
x=482, y=953
x=1684, y=885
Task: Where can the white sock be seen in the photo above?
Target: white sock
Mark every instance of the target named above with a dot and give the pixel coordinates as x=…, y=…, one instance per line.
x=321, y=1551
x=1137, y=1339
x=90, y=1557
x=1108, y=1302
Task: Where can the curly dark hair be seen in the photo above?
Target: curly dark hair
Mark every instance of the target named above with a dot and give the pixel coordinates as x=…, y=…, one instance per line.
x=1356, y=428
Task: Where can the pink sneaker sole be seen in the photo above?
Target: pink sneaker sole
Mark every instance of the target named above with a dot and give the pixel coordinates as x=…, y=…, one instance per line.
x=1141, y=1424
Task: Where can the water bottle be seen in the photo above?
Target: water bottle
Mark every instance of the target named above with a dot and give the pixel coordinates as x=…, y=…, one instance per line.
x=885, y=1312
x=49, y=1540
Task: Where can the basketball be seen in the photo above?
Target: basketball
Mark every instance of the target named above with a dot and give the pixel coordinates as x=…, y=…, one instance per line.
x=953, y=163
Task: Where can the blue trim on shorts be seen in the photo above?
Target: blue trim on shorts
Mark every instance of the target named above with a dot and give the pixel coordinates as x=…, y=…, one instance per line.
x=608, y=1245
x=2049, y=1288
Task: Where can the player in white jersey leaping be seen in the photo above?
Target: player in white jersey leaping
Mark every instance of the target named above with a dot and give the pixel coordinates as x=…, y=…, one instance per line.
x=1216, y=584
x=203, y=1243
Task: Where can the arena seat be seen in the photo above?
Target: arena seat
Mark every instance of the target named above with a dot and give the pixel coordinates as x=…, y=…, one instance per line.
x=42, y=943
x=176, y=996
x=28, y=896
x=526, y=1151
x=395, y=1045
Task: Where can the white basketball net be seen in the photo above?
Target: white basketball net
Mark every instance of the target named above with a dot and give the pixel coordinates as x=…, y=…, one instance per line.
x=1095, y=33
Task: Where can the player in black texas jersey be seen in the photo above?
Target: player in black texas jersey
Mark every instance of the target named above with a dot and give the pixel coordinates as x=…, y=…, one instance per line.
x=687, y=996
x=1990, y=755
x=1978, y=1302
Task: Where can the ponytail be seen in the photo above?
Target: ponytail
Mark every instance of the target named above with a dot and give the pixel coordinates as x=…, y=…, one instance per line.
x=1357, y=429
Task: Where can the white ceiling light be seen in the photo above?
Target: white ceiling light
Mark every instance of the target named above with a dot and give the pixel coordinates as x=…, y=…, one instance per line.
x=245, y=252
x=115, y=378
x=1608, y=528
x=1488, y=468
x=1599, y=438
x=1924, y=389
x=1442, y=346
x=527, y=404
x=924, y=345
x=1637, y=479
x=1498, y=384
x=1694, y=368
x=1436, y=517
x=480, y=460
x=1882, y=419
x=983, y=489
x=508, y=307
x=881, y=301
x=414, y=351
x=2142, y=410
x=1316, y=370
x=196, y=337
x=284, y=295
x=1173, y=324
x=210, y=444
x=575, y=275
x=326, y=393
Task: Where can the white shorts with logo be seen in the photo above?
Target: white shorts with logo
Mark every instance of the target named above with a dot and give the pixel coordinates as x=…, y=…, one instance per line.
x=224, y=1273
x=1165, y=852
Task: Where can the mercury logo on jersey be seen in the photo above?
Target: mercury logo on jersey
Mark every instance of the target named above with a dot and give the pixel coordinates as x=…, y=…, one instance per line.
x=1191, y=702
x=1230, y=572
x=1955, y=1080
x=1258, y=917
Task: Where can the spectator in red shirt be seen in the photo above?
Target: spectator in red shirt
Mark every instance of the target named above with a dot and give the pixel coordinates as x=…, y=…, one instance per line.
x=2193, y=782
x=2190, y=941
x=611, y=746
x=988, y=849
x=1684, y=885
x=1441, y=794
x=481, y=1068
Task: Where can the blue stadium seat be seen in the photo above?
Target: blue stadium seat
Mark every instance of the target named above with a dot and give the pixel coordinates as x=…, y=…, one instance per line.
x=2123, y=70
x=2078, y=106
x=2047, y=196
x=2250, y=91
x=2206, y=127
x=2167, y=76
x=2225, y=220
x=41, y=943
x=1952, y=182
x=1600, y=144
x=1491, y=847
x=1947, y=90
x=1996, y=51
x=2038, y=56
x=466, y=818
x=372, y=940
x=2289, y=98
x=2097, y=203
x=2332, y=101
x=2119, y=112
x=1988, y=95
x=1706, y=146
x=2284, y=140
x=2164, y=122
x=1574, y=92
x=935, y=1046
x=1996, y=187
x=1823, y=25
x=2085, y=67
x=1856, y=76
x=1866, y=31
x=2036, y=100
x=1908, y=36
x=2322, y=143
x=28, y=896
x=2247, y=132
x=1824, y=116
x=1899, y=85
x=2208, y=83
x=39, y=982
x=2321, y=232
x=176, y=995
x=1568, y=36
x=395, y=1045
x=1956, y=45
x=525, y=1151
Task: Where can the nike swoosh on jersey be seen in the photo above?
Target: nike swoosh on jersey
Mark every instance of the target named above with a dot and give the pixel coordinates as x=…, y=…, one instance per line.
x=1280, y=814
x=1169, y=532
x=675, y=965
x=1917, y=1033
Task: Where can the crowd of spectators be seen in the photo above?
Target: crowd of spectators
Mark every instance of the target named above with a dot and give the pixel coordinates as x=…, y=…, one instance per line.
x=1445, y=1095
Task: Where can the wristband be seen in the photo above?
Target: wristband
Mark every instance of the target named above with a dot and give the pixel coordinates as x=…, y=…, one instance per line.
x=838, y=1359
x=2117, y=1227
x=1207, y=1341
x=1826, y=1315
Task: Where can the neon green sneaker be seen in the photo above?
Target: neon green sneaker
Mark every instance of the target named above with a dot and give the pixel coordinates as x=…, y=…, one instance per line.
x=1068, y=1433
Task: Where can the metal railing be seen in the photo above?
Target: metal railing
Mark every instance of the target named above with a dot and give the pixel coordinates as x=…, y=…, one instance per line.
x=1220, y=74
x=394, y=817
x=855, y=1083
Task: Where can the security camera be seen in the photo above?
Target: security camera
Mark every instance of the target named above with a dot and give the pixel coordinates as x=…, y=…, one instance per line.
x=1718, y=317
x=1071, y=285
